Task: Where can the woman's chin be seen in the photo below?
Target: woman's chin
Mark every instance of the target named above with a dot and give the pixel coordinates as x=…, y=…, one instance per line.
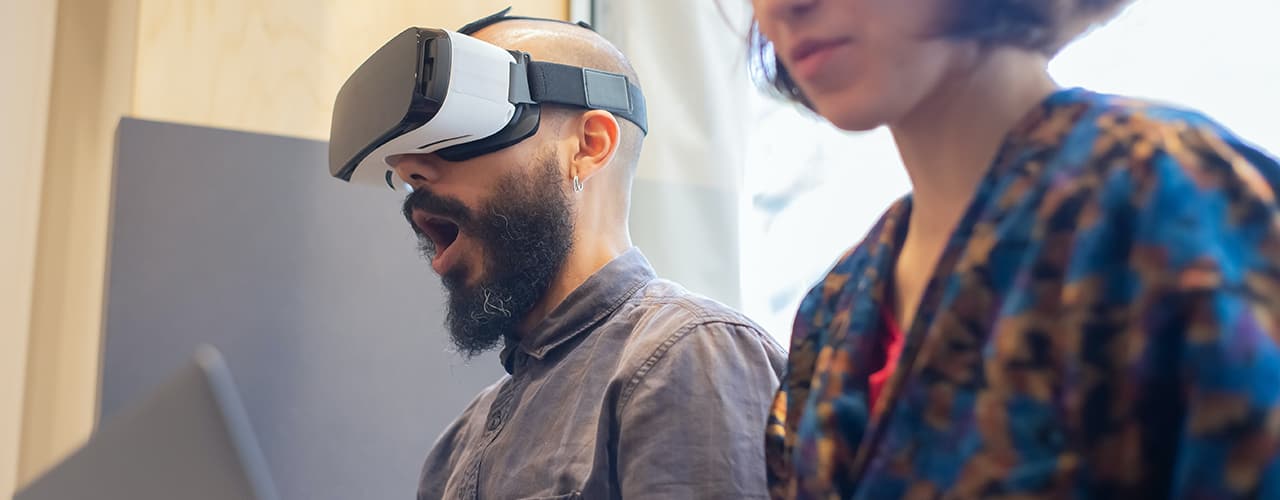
x=854, y=120
x=852, y=114
x=857, y=125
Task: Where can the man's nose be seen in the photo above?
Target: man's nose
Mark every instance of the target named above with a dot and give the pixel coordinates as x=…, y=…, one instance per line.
x=416, y=170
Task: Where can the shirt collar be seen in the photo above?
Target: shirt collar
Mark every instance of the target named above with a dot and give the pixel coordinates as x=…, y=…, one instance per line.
x=585, y=307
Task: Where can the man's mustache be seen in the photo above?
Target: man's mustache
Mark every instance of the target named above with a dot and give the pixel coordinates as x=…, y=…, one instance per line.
x=424, y=200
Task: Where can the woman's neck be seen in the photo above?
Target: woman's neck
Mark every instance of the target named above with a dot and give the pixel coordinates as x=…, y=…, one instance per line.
x=947, y=144
x=949, y=141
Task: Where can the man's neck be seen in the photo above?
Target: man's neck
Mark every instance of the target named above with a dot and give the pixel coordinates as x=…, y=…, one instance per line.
x=586, y=258
x=949, y=142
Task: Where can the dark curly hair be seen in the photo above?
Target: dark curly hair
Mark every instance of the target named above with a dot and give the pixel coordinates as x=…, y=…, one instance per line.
x=1041, y=25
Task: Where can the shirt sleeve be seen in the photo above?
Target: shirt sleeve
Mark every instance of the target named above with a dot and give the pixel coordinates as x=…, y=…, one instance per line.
x=691, y=421
x=1205, y=266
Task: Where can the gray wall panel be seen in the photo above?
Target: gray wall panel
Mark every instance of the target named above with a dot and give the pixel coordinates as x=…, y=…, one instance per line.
x=313, y=290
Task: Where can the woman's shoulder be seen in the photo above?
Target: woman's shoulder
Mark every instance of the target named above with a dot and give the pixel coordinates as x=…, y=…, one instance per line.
x=1136, y=145
x=1142, y=131
x=1177, y=182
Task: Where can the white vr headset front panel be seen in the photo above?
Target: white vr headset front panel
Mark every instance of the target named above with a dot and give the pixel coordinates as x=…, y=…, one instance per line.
x=476, y=105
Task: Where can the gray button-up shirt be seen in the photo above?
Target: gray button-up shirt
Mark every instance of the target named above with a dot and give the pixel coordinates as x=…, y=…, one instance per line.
x=632, y=388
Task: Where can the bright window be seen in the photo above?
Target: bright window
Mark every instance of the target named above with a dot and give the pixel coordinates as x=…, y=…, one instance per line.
x=812, y=192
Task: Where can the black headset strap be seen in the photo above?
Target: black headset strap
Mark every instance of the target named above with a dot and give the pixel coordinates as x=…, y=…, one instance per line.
x=552, y=83
x=501, y=16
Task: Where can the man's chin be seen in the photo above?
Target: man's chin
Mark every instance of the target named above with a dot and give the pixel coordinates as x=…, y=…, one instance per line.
x=468, y=350
x=479, y=317
x=471, y=340
x=457, y=280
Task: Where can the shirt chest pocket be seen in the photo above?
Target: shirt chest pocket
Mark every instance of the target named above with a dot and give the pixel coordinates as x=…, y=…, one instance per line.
x=546, y=472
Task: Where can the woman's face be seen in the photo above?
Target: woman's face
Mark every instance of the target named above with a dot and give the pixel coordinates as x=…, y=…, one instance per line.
x=861, y=63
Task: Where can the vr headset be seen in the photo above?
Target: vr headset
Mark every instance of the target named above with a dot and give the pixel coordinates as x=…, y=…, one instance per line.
x=444, y=92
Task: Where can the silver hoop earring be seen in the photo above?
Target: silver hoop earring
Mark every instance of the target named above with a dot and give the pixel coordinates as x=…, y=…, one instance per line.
x=577, y=185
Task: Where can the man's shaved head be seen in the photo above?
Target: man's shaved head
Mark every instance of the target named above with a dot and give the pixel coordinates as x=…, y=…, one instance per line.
x=573, y=45
x=559, y=43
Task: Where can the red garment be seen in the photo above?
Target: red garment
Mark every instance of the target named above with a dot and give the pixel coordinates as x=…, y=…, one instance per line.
x=891, y=340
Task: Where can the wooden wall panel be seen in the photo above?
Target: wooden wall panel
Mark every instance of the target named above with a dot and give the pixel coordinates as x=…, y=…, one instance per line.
x=26, y=49
x=275, y=65
x=92, y=84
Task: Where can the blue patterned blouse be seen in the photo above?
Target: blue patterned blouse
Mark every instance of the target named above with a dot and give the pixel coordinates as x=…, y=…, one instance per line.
x=1103, y=323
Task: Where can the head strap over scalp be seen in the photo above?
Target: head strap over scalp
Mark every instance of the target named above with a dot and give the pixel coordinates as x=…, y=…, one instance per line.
x=501, y=16
x=552, y=83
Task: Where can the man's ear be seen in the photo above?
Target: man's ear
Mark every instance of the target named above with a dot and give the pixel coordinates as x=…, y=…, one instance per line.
x=598, y=136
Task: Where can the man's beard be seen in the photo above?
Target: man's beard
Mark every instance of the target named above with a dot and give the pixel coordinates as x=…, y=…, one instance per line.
x=526, y=233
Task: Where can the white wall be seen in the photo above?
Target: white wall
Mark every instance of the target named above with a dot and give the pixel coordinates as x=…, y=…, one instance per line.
x=686, y=198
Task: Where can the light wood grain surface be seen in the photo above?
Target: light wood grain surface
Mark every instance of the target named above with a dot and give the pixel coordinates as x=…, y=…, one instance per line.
x=91, y=84
x=275, y=65
x=26, y=50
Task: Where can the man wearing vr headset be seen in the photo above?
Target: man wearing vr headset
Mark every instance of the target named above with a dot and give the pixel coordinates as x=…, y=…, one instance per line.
x=620, y=384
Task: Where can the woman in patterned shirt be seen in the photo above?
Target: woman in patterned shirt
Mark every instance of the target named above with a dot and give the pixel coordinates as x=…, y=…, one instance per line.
x=1079, y=299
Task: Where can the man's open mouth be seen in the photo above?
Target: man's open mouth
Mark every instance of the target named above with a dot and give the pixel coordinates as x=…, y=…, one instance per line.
x=440, y=230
